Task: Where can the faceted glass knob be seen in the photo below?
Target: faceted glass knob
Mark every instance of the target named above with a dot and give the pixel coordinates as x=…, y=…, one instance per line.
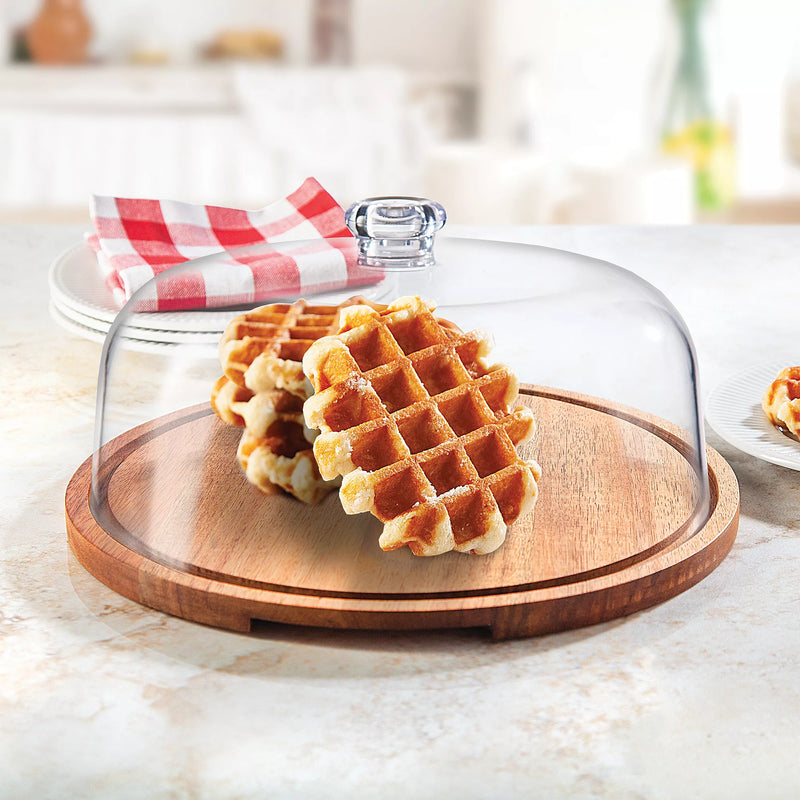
x=395, y=232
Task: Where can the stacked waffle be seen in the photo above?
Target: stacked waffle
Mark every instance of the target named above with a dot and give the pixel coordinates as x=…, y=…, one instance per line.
x=263, y=389
x=407, y=413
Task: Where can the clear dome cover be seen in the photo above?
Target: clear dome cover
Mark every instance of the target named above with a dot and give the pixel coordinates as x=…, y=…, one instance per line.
x=605, y=364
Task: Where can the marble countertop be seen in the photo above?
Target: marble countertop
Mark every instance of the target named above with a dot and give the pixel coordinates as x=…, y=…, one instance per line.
x=698, y=697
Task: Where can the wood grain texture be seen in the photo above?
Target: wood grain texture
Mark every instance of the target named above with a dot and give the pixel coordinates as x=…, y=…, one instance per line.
x=620, y=524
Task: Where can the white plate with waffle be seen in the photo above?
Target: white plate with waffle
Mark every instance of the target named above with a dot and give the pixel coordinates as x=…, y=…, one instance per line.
x=733, y=410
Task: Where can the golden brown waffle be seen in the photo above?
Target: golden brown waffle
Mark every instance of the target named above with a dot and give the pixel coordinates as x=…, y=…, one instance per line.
x=263, y=349
x=781, y=402
x=275, y=448
x=228, y=401
x=239, y=406
x=421, y=429
x=272, y=463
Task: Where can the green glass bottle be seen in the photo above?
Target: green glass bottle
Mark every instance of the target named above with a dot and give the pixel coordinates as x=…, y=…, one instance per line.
x=691, y=129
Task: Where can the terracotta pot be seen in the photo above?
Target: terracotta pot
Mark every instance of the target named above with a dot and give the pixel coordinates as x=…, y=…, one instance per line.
x=60, y=33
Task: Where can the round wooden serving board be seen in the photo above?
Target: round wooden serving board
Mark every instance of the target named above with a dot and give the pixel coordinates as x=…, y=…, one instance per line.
x=619, y=525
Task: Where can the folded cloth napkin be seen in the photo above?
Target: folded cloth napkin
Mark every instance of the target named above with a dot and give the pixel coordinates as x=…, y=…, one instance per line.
x=136, y=239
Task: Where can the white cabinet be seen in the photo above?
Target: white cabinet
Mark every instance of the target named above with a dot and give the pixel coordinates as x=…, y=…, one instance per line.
x=226, y=134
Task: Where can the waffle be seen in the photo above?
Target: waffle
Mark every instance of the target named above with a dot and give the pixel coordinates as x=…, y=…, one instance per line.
x=255, y=411
x=781, y=402
x=275, y=449
x=229, y=400
x=272, y=463
x=263, y=349
x=421, y=429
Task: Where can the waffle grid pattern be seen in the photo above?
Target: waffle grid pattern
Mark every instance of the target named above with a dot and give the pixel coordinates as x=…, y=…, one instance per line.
x=421, y=429
x=262, y=390
x=275, y=448
x=263, y=349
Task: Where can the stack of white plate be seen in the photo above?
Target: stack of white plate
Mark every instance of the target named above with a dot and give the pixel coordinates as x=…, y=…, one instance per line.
x=81, y=302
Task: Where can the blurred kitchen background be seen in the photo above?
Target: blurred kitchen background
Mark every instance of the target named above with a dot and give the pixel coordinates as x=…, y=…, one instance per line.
x=507, y=111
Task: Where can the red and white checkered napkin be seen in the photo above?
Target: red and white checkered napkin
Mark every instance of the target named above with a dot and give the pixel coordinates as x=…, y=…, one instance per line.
x=136, y=239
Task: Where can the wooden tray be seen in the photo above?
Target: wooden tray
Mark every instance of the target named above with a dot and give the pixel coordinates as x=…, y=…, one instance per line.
x=619, y=526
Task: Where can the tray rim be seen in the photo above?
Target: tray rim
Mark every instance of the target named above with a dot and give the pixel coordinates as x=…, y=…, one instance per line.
x=683, y=563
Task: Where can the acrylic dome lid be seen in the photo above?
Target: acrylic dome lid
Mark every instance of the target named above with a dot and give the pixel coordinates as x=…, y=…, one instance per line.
x=605, y=362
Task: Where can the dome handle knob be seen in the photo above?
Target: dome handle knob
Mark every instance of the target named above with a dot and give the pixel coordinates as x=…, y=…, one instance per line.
x=395, y=232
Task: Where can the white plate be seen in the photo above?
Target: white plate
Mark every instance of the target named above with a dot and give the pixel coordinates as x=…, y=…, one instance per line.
x=76, y=282
x=71, y=324
x=77, y=285
x=734, y=411
x=75, y=327
x=132, y=332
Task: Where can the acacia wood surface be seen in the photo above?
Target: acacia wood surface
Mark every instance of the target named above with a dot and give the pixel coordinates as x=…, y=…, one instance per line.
x=620, y=524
